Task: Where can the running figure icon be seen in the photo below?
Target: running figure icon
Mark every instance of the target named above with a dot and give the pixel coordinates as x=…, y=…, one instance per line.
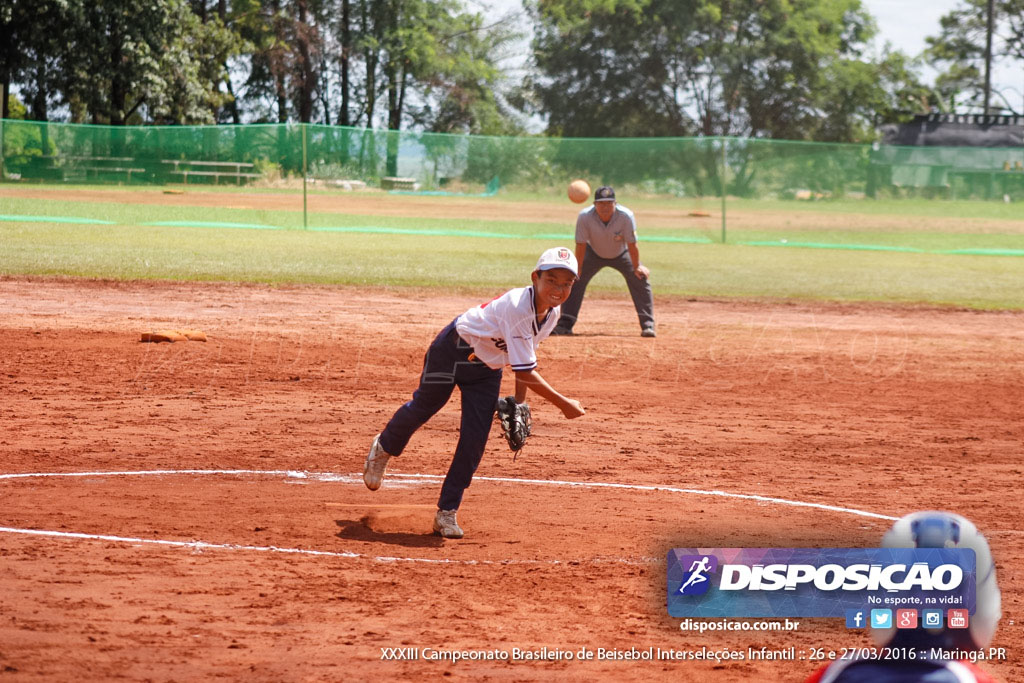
x=697, y=571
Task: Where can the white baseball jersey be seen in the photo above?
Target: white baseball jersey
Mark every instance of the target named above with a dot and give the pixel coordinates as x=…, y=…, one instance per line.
x=505, y=331
x=608, y=240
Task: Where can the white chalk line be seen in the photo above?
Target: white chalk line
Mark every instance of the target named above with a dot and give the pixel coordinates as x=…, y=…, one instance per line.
x=392, y=479
x=398, y=478
x=204, y=545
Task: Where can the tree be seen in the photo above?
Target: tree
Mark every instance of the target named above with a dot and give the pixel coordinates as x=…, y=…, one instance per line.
x=960, y=49
x=225, y=45
x=605, y=67
x=431, y=64
x=192, y=67
x=379, y=63
x=33, y=32
x=121, y=58
x=291, y=50
x=463, y=89
x=15, y=23
x=345, y=61
x=865, y=95
x=793, y=69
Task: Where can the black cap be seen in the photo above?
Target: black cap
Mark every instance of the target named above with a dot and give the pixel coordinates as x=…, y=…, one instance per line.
x=604, y=194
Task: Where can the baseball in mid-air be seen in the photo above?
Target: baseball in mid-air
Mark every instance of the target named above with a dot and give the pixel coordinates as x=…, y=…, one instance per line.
x=579, y=191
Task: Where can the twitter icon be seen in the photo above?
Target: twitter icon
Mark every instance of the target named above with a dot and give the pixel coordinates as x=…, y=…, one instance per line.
x=881, y=618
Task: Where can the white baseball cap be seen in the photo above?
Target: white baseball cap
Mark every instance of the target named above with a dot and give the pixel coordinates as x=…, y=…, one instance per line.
x=558, y=257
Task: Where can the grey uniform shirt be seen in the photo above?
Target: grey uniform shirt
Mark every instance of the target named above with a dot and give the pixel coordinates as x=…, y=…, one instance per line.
x=607, y=241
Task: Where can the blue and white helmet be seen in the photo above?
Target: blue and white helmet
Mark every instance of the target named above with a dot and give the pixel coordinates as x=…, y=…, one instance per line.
x=933, y=529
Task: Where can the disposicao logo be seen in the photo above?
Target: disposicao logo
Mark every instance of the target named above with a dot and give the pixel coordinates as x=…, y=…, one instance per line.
x=816, y=582
x=697, y=580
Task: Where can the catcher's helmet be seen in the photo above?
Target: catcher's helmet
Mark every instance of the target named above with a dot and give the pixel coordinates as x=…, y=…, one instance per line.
x=947, y=530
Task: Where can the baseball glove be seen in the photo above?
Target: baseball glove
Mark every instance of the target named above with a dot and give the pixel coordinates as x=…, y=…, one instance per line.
x=516, y=422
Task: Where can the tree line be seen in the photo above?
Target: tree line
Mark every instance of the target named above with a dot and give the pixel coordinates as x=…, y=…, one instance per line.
x=793, y=69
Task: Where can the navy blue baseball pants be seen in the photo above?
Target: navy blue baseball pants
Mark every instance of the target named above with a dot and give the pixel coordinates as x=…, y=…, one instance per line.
x=445, y=366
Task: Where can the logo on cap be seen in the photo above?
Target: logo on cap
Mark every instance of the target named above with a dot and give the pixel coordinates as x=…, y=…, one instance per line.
x=605, y=193
x=563, y=254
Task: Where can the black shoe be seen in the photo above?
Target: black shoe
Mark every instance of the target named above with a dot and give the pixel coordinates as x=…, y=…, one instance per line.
x=561, y=331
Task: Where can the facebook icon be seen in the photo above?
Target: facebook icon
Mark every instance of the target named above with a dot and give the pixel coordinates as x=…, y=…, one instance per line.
x=855, y=618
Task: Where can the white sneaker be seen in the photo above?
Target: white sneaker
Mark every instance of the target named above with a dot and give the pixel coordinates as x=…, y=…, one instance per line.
x=376, y=464
x=445, y=524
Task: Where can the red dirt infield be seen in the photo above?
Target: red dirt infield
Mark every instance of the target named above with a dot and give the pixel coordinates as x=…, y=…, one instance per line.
x=253, y=551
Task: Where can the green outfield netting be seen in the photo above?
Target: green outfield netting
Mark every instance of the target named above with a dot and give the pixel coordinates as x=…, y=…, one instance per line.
x=41, y=152
x=775, y=193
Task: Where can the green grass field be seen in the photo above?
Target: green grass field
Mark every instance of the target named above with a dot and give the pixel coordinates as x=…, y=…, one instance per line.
x=882, y=266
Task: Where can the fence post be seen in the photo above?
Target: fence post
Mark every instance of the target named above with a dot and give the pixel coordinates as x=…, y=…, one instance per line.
x=305, y=218
x=725, y=186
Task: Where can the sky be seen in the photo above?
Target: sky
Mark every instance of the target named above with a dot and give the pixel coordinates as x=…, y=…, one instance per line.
x=906, y=23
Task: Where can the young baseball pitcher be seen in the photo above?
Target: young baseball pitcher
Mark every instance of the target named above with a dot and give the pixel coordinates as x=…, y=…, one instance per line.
x=470, y=353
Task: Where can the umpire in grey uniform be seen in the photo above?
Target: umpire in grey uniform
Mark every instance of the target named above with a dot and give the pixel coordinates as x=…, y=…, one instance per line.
x=606, y=237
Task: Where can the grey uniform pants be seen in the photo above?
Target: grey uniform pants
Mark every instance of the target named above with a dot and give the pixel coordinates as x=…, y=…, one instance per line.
x=639, y=290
